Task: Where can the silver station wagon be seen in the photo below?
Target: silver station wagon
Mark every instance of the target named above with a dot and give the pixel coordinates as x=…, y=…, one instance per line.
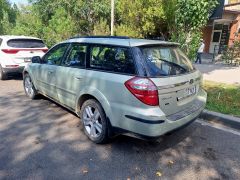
x=119, y=85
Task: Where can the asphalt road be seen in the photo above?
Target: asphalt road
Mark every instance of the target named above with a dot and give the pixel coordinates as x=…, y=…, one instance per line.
x=41, y=140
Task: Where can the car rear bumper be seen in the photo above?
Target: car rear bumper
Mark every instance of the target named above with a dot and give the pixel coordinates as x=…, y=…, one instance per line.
x=149, y=125
x=13, y=70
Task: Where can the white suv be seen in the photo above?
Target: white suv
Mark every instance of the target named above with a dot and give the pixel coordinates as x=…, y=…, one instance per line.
x=17, y=51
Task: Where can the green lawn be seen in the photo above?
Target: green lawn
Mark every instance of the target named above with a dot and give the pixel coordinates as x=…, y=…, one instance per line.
x=223, y=98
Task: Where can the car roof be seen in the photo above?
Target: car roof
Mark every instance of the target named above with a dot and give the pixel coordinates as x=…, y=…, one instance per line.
x=7, y=37
x=120, y=41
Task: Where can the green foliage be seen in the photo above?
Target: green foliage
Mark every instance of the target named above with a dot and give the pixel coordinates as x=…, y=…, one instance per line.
x=231, y=55
x=54, y=21
x=190, y=17
x=7, y=16
x=28, y=23
x=101, y=28
x=60, y=27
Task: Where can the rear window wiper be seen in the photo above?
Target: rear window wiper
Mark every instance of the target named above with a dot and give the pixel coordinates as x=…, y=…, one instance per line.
x=172, y=63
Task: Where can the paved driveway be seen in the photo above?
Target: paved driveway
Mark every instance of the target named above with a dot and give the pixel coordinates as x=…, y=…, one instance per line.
x=41, y=140
x=220, y=73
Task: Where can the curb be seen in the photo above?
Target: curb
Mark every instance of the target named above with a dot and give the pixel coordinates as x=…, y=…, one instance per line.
x=227, y=120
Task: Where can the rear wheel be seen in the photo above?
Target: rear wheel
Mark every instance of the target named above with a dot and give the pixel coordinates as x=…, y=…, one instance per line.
x=94, y=121
x=3, y=76
x=29, y=87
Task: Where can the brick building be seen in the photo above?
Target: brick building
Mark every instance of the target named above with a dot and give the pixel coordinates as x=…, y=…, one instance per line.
x=223, y=27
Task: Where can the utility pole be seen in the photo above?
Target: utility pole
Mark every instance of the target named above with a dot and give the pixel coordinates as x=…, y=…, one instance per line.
x=112, y=17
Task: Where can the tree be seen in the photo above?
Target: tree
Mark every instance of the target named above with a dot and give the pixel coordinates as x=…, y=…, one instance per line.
x=190, y=17
x=7, y=16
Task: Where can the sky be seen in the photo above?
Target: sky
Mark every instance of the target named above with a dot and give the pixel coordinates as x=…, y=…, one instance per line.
x=19, y=1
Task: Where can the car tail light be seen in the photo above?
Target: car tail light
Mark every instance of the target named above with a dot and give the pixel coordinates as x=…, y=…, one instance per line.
x=15, y=51
x=144, y=90
x=45, y=50
x=12, y=66
x=10, y=51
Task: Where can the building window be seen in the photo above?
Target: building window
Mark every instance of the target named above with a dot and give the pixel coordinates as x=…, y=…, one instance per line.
x=216, y=37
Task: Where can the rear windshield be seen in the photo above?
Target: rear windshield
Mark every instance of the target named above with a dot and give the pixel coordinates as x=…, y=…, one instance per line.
x=166, y=61
x=25, y=43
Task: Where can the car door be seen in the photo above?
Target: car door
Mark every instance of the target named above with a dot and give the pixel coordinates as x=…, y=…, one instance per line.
x=70, y=75
x=47, y=71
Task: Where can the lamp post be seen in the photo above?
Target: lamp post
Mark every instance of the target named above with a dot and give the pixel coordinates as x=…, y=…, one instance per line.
x=112, y=17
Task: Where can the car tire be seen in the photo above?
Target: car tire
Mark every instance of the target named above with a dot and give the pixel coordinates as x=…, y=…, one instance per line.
x=29, y=88
x=94, y=121
x=3, y=76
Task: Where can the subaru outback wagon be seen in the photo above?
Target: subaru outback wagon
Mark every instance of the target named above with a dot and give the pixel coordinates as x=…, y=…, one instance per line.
x=119, y=85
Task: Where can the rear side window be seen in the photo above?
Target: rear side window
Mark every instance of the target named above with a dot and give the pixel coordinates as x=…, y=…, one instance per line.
x=26, y=43
x=0, y=41
x=112, y=59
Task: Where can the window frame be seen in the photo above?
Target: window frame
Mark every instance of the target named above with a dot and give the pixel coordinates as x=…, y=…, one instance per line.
x=54, y=48
x=88, y=67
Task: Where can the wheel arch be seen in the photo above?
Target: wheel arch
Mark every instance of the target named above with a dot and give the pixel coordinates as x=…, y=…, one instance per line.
x=92, y=94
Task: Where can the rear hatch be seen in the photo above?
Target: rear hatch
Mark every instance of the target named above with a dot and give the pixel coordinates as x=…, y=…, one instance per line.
x=177, y=93
x=174, y=75
x=22, y=50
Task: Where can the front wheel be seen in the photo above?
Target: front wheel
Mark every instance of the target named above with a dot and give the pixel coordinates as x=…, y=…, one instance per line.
x=29, y=87
x=94, y=121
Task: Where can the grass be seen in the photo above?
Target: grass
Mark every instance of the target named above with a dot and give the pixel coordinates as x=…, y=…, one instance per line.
x=223, y=98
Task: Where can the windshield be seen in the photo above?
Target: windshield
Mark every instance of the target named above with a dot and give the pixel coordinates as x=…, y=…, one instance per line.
x=166, y=61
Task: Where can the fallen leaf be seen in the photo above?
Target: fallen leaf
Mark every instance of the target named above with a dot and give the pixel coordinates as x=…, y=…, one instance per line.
x=158, y=173
x=170, y=162
x=85, y=171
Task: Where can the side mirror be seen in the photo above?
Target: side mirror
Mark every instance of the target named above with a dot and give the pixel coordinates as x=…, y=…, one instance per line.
x=36, y=59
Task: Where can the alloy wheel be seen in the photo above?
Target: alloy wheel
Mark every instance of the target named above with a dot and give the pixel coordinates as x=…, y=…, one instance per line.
x=92, y=121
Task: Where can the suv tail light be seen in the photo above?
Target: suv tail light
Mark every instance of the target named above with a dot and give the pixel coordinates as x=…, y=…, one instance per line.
x=144, y=90
x=15, y=51
x=10, y=51
x=45, y=50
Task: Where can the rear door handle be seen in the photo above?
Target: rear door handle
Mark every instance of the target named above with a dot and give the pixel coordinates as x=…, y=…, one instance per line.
x=50, y=72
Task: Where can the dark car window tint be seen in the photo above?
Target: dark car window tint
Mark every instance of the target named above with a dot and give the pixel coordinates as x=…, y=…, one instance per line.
x=55, y=55
x=113, y=59
x=26, y=43
x=76, y=57
x=0, y=41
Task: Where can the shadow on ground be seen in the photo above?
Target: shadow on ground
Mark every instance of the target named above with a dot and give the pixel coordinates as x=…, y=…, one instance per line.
x=41, y=140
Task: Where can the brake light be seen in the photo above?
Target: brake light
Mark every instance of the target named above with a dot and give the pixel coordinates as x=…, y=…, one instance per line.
x=12, y=66
x=10, y=51
x=144, y=90
x=15, y=51
x=45, y=50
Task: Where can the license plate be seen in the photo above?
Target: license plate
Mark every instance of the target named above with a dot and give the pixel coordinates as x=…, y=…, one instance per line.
x=190, y=91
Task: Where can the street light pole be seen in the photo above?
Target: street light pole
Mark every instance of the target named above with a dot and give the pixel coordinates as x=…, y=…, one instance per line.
x=112, y=17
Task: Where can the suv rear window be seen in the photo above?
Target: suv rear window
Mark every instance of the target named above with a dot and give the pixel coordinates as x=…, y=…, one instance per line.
x=166, y=61
x=26, y=43
x=113, y=59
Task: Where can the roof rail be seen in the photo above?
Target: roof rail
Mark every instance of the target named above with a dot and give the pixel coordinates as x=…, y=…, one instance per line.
x=112, y=37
